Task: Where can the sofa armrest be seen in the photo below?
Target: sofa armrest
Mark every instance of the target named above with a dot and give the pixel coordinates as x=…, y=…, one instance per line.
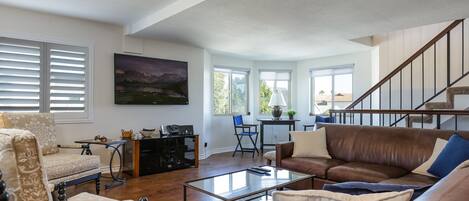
x=283, y=150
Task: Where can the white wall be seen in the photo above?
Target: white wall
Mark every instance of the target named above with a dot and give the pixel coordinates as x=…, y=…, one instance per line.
x=395, y=47
x=362, y=77
x=105, y=40
x=222, y=137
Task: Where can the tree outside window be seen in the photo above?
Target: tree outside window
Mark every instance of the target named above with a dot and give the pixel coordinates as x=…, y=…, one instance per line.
x=270, y=80
x=230, y=91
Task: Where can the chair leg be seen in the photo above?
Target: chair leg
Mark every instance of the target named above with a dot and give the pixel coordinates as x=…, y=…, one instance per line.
x=238, y=145
x=255, y=145
x=98, y=184
x=255, y=148
x=241, y=146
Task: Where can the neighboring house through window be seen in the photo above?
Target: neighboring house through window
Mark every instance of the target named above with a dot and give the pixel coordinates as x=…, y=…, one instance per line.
x=331, y=88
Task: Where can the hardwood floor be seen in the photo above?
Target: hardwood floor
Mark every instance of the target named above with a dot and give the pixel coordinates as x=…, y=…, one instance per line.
x=168, y=186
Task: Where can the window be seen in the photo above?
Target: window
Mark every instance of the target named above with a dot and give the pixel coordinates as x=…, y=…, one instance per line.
x=269, y=81
x=230, y=91
x=44, y=77
x=331, y=88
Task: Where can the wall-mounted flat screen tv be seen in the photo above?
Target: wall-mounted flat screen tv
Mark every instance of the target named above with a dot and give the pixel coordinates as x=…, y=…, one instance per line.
x=150, y=81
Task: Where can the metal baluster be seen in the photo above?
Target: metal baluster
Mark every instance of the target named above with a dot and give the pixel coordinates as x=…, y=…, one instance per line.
x=379, y=105
x=371, y=114
x=423, y=77
x=421, y=125
x=390, y=83
x=434, y=69
x=438, y=121
x=455, y=122
x=462, y=48
x=411, y=87
x=448, y=60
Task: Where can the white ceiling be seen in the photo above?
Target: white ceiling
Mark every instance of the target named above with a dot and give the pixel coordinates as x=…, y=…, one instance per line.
x=111, y=11
x=259, y=29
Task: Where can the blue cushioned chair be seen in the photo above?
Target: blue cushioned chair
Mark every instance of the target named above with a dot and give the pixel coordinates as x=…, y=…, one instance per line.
x=320, y=119
x=243, y=130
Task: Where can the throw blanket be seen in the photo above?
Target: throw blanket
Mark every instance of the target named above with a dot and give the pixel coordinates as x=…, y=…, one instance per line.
x=358, y=188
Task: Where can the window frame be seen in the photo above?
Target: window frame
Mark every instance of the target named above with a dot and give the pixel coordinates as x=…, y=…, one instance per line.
x=311, y=78
x=45, y=70
x=288, y=99
x=230, y=71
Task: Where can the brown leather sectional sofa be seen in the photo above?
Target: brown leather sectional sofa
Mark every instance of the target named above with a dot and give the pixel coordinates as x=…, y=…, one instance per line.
x=369, y=154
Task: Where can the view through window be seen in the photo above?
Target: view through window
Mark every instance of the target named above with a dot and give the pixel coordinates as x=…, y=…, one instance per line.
x=331, y=88
x=230, y=91
x=269, y=81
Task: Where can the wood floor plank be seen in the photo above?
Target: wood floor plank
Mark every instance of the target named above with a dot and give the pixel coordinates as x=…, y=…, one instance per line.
x=168, y=186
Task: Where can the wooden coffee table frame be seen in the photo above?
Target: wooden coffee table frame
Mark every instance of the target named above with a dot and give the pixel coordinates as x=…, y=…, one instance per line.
x=266, y=190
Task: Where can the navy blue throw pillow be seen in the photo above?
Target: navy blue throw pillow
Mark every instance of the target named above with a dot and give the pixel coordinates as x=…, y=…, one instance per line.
x=455, y=152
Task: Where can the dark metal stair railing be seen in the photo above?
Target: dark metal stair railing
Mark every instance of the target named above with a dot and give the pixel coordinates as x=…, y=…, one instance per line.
x=397, y=73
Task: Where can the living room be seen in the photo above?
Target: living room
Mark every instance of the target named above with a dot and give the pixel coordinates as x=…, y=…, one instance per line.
x=374, y=63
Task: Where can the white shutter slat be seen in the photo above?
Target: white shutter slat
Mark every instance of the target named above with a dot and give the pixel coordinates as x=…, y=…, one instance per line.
x=19, y=58
x=67, y=78
x=20, y=63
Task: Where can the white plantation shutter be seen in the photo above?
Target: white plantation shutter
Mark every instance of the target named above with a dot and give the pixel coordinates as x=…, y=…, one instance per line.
x=67, y=78
x=45, y=77
x=20, y=75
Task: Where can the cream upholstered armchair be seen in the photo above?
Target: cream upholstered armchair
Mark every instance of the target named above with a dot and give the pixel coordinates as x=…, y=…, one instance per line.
x=59, y=166
x=23, y=171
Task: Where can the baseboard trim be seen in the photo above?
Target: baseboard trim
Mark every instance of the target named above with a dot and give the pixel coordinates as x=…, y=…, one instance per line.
x=219, y=150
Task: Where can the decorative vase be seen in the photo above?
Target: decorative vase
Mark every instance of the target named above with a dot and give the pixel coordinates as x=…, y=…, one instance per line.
x=276, y=112
x=290, y=117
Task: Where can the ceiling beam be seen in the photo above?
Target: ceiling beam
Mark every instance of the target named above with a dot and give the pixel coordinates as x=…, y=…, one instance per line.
x=160, y=15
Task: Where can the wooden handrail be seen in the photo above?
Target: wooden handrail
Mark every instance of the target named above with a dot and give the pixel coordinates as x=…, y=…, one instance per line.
x=406, y=63
x=425, y=112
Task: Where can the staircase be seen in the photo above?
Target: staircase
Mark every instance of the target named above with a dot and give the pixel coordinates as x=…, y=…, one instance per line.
x=451, y=92
x=406, y=95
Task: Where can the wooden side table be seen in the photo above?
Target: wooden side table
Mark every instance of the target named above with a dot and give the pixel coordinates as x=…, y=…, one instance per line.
x=290, y=122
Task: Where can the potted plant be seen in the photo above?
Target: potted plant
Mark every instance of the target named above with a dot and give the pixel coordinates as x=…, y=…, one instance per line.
x=291, y=114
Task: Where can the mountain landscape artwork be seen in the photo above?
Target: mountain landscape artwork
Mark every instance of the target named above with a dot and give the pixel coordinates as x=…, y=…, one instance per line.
x=150, y=81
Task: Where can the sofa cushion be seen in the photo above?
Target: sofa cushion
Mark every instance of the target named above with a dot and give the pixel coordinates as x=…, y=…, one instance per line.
x=455, y=152
x=40, y=124
x=310, y=143
x=315, y=166
x=356, y=171
x=62, y=164
x=412, y=179
x=422, y=169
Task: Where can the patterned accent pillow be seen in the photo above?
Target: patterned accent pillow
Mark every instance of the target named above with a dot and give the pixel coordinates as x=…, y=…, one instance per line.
x=24, y=174
x=40, y=124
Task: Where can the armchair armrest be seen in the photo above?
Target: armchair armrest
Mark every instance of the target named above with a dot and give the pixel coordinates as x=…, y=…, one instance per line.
x=283, y=150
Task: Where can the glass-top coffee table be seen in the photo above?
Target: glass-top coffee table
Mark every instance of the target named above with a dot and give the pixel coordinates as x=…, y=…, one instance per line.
x=245, y=185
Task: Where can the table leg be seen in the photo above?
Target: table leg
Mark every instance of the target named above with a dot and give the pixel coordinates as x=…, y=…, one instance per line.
x=262, y=137
x=116, y=180
x=289, y=129
x=185, y=193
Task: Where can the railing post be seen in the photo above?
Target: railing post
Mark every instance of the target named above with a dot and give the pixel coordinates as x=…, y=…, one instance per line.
x=438, y=121
x=448, y=59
